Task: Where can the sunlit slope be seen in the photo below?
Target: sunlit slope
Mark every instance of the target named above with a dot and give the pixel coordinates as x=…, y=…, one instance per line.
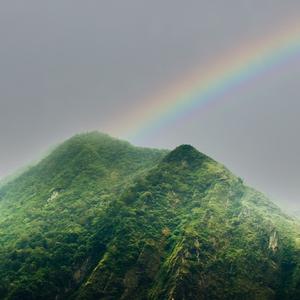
x=47, y=215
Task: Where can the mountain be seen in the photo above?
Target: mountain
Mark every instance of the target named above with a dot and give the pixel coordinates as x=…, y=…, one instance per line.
x=101, y=219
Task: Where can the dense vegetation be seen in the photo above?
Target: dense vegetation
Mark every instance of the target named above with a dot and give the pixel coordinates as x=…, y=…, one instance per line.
x=101, y=219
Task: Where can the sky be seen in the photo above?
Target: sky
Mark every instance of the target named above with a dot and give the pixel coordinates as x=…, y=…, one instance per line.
x=69, y=66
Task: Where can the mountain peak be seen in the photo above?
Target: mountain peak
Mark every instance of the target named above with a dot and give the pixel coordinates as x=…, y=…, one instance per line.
x=186, y=153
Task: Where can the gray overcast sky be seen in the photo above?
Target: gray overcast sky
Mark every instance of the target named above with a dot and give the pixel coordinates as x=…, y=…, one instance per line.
x=72, y=66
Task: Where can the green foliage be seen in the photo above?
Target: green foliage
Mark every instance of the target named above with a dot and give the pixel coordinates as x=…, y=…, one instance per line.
x=101, y=219
x=49, y=215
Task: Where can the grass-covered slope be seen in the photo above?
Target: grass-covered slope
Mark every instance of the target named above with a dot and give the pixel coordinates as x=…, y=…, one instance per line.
x=48, y=214
x=101, y=219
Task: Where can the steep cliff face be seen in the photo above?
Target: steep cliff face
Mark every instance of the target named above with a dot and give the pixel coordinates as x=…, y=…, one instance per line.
x=273, y=241
x=101, y=219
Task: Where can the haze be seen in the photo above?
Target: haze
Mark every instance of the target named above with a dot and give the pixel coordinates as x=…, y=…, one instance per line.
x=73, y=66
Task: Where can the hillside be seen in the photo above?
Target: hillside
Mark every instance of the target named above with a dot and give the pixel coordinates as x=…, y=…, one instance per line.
x=101, y=219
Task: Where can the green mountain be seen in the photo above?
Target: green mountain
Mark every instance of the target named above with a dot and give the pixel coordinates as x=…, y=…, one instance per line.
x=101, y=219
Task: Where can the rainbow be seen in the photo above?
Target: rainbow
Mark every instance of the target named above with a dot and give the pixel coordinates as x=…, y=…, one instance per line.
x=213, y=82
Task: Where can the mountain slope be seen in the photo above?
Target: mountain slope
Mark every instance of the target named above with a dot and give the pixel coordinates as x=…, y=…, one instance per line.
x=101, y=219
x=194, y=231
x=48, y=213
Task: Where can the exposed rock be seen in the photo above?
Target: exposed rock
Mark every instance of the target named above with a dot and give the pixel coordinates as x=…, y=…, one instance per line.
x=273, y=241
x=53, y=196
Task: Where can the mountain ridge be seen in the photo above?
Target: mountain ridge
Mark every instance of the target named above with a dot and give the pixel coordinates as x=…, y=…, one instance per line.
x=99, y=218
